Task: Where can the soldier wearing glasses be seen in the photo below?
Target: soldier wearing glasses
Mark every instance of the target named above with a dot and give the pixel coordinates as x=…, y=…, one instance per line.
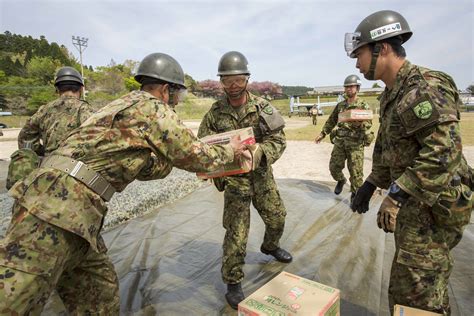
x=240, y=109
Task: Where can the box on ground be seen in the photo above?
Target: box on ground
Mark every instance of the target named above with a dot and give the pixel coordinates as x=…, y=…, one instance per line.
x=400, y=310
x=243, y=166
x=355, y=115
x=288, y=294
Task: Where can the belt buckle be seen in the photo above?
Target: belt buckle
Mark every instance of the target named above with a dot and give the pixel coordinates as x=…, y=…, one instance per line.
x=76, y=168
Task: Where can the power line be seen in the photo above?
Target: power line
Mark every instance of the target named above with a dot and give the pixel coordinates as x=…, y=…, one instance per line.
x=81, y=44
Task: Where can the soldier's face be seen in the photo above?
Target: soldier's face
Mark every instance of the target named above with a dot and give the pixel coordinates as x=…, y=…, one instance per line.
x=234, y=86
x=350, y=91
x=364, y=57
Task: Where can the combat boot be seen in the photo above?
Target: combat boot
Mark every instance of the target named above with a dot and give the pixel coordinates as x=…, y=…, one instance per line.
x=234, y=295
x=352, y=196
x=280, y=254
x=339, y=186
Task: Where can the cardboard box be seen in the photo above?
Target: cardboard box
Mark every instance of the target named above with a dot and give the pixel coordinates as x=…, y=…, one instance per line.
x=400, y=310
x=288, y=294
x=247, y=137
x=355, y=115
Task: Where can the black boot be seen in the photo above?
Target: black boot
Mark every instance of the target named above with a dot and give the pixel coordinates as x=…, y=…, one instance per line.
x=280, y=254
x=339, y=186
x=352, y=196
x=234, y=295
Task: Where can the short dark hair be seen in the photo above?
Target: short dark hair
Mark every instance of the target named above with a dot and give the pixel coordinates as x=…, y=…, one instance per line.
x=395, y=43
x=68, y=86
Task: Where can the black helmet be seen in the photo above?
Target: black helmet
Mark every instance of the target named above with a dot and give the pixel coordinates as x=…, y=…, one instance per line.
x=233, y=63
x=352, y=80
x=376, y=27
x=68, y=74
x=162, y=67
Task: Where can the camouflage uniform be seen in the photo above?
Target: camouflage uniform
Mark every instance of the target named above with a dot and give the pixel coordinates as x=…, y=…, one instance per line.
x=314, y=115
x=419, y=147
x=52, y=123
x=44, y=132
x=349, y=139
x=258, y=186
x=54, y=239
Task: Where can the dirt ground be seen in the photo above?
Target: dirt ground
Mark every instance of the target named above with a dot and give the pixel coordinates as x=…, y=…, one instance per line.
x=301, y=160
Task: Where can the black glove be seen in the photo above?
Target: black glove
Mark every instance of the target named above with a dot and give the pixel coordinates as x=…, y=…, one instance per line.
x=360, y=203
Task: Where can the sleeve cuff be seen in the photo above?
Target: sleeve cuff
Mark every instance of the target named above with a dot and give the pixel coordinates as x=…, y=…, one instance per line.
x=372, y=179
x=410, y=187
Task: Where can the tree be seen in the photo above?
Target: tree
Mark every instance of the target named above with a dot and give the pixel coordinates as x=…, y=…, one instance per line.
x=470, y=88
x=43, y=69
x=265, y=88
x=131, y=84
x=209, y=88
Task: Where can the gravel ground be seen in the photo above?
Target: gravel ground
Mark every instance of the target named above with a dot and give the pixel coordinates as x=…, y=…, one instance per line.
x=137, y=199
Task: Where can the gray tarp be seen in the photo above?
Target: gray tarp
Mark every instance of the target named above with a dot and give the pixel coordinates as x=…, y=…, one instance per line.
x=168, y=262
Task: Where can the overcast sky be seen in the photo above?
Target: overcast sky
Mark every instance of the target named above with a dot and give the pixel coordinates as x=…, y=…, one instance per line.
x=289, y=42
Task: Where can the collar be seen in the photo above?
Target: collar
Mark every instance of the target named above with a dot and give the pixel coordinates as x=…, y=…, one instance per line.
x=390, y=94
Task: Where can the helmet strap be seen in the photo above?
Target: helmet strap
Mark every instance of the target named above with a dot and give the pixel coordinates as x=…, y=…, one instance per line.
x=373, y=62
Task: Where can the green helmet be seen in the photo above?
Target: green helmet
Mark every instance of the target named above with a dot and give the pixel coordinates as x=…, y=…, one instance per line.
x=376, y=27
x=233, y=63
x=352, y=80
x=162, y=67
x=68, y=74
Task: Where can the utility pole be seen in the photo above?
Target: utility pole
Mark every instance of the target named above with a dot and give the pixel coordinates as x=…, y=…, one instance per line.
x=81, y=44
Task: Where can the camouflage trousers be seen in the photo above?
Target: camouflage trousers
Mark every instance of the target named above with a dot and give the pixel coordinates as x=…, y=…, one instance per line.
x=37, y=258
x=424, y=237
x=262, y=191
x=354, y=154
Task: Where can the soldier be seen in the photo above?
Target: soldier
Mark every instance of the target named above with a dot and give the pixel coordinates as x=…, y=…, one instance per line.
x=418, y=157
x=50, y=125
x=314, y=114
x=54, y=240
x=349, y=138
x=239, y=109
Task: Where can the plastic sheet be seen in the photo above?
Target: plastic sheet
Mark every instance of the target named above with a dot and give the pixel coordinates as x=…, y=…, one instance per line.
x=168, y=262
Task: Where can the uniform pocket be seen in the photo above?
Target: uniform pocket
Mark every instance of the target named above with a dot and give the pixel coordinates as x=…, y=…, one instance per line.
x=453, y=207
x=18, y=257
x=436, y=260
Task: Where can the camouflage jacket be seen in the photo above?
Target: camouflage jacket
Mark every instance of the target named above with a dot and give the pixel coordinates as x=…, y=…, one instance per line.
x=355, y=129
x=223, y=118
x=52, y=123
x=134, y=137
x=419, y=141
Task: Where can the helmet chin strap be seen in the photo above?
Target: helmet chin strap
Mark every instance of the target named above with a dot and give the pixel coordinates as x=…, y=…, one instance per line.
x=244, y=90
x=375, y=55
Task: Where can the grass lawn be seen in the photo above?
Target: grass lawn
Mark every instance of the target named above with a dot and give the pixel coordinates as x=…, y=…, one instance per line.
x=310, y=132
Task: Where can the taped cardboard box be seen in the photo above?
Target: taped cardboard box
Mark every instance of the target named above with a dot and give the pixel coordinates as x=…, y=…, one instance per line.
x=237, y=167
x=288, y=294
x=355, y=115
x=400, y=310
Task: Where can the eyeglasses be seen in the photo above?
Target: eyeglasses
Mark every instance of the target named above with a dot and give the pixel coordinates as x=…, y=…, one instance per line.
x=239, y=81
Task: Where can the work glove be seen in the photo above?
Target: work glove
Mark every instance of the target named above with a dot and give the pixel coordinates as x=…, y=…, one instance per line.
x=360, y=203
x=387, y=214
x=257, y=154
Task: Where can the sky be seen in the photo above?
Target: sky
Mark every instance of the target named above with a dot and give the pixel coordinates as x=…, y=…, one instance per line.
x=288, y=42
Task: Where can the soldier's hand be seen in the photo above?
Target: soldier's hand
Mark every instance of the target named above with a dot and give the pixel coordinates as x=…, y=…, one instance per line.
x=360, y=203
x=236, y=144
x=387, y=214
x=319, y=138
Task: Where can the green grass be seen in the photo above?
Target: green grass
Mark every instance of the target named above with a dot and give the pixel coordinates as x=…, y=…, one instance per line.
x=14, y=120
x=193, y=107
x=310, y=132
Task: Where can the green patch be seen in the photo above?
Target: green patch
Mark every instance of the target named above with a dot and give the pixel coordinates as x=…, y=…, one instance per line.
x=268, y=110
x=423, y=110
